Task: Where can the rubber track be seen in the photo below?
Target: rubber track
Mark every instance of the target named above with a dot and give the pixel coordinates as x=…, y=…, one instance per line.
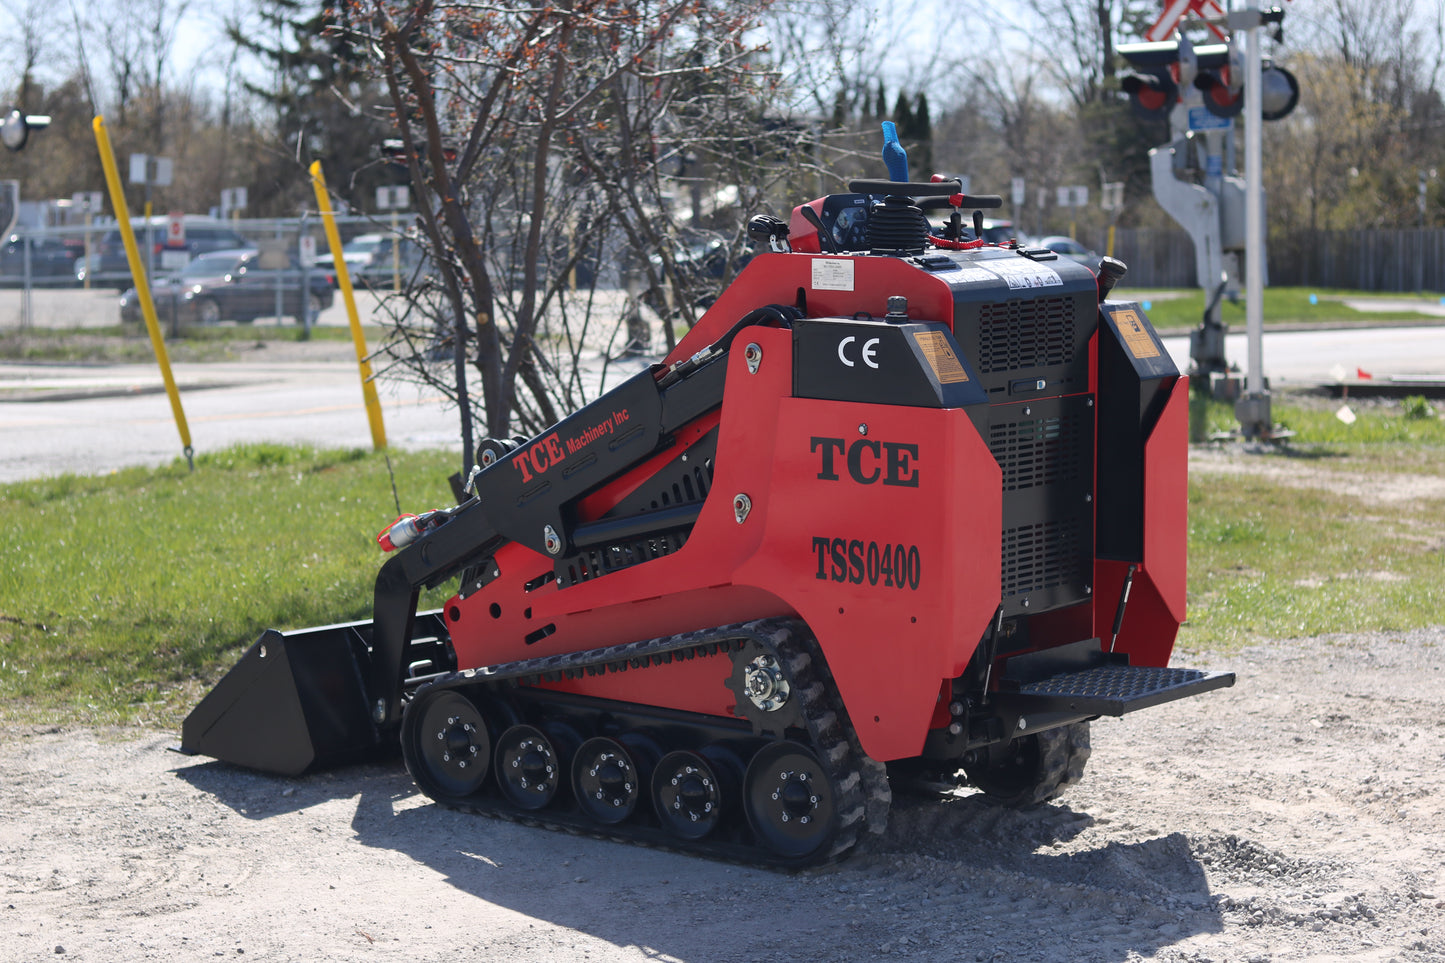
x=854, y=777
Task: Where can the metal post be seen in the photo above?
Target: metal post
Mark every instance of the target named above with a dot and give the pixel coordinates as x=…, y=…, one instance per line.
x=26, y=308
x=358, y=337
x=281, y=274
x=142, y=284
x=306, y=319
x=1253, y=410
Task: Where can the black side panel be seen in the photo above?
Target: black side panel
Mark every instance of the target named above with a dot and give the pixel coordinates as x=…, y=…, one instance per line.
x=1025, y=325
x=1045, y=451
x=1136, y=375
x=878, y=362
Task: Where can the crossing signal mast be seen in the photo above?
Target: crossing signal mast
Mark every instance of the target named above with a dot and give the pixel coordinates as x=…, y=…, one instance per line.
x=1200, y=89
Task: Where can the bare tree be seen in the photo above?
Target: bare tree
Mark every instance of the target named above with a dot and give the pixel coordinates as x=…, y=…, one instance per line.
x=550, y=148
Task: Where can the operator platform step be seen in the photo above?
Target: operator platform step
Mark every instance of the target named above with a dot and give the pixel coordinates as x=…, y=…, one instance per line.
x=1113, y=690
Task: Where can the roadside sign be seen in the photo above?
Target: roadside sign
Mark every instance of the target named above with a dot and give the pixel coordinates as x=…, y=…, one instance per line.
x=175, y=229
x=141, y=171
x=232, y=199
x=1018, y=191
x=88, y=202
x=308, y=250
x=174, y=259
x=1201, y=119
x=393, y=197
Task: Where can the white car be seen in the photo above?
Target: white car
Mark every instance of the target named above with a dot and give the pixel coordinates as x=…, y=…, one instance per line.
x=369, y=259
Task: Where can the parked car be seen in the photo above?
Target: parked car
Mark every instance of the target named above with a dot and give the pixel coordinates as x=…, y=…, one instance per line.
x=233, y=286
x=374, y=260
x=108, y=265
x=1069, y=248
x=50, y=261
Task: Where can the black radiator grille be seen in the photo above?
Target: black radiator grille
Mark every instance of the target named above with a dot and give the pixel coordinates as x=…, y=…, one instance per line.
x=688, y=488
x=597, y=562
x=1043, y=556
x=1041, y=450
x=1019, y=335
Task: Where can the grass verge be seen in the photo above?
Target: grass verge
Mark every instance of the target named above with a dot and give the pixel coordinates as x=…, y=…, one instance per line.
x=128, y=344
x=127, y=595
x=1284, y=307
x=134, y=591
x=1340, y=530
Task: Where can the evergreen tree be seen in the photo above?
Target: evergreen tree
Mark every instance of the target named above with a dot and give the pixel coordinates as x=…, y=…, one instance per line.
x=324, y=104
x=903, y=117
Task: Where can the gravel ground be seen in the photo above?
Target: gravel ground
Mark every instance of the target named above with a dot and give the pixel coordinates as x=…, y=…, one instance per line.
x=1296, y=816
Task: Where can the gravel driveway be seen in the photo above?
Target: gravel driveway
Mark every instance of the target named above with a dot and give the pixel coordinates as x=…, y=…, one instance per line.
x=1296, y=816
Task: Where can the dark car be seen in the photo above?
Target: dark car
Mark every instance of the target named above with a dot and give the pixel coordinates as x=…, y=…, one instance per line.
x=233, y=286
x=50, y=261
x=109, y=266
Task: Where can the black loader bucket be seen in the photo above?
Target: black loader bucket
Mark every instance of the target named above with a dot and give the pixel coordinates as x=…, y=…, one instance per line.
x=294, y=702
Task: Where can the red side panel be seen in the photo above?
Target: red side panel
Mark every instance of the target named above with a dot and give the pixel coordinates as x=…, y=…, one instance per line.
x=887, y=544
x=884, y=539
x=1157, y=602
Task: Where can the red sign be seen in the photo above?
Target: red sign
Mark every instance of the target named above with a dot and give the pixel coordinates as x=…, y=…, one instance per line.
x=176, y=230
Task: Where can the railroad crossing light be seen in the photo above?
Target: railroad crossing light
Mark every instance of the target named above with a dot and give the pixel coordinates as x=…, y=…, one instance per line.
x=1279, y=93
x=1152, y=82
x=16, y=126
x=1152, y=93
x=1223, y=97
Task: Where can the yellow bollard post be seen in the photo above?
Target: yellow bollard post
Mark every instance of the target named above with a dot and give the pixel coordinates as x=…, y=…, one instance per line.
x=348, y=296
x=142, y=283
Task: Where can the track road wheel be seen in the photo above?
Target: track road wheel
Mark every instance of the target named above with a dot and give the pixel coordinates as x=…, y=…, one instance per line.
x=1036, y=768
x=689, y=793
x=606, y=780
x=529, y=768
x=789, y=800
x=445, y=745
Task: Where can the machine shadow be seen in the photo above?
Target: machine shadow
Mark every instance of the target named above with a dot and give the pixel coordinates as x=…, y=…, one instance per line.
x=955, y=867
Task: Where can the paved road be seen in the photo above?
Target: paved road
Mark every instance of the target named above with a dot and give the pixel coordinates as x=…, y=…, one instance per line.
x=1309, y=357
x=118, y=416
x=99, y=428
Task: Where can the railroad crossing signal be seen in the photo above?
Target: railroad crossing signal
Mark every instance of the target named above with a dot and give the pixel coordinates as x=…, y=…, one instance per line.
x=1176, y=10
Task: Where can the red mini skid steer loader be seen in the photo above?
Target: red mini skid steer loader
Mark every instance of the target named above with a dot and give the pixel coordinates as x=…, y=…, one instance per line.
x=901, y=501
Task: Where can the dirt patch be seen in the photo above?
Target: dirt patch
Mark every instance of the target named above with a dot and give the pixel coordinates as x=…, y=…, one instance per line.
x=1380, y=488
x=1295, y=816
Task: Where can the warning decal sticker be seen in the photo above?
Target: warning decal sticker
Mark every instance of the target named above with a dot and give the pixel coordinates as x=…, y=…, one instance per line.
x=1136, y=337
x=940, y=356
x=1023, y=273
x=832, y=274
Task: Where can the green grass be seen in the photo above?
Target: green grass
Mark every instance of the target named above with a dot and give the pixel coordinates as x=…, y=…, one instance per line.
x=124, y=596
x=129, y=344
x=1341, y=529
x=1283, y=307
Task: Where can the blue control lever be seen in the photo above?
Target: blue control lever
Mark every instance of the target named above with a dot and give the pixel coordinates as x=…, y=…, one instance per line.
x=894, y=156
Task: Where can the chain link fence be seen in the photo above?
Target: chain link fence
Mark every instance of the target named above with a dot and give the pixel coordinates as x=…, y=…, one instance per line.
x=72, y=276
